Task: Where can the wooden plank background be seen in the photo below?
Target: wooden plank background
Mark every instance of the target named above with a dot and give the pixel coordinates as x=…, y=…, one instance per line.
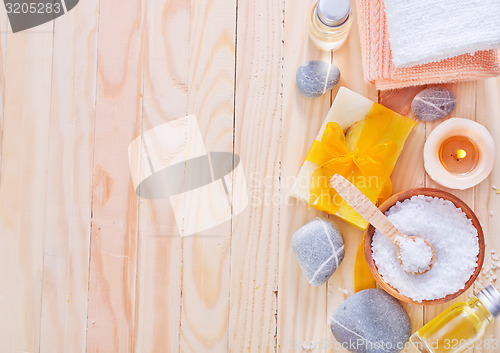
x=86, y=266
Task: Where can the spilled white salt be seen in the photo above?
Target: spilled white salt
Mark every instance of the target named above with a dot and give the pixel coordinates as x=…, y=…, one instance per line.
x=450, y=233
x=489, y=270
x=415, y=255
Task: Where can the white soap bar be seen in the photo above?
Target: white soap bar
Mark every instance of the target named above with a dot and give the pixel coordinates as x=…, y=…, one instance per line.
x=347, y=109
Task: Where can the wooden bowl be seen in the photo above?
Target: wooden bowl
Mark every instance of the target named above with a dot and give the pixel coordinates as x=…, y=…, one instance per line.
x=434, y=193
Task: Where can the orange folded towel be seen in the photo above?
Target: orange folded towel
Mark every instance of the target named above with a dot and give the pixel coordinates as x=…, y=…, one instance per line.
x=377, y=59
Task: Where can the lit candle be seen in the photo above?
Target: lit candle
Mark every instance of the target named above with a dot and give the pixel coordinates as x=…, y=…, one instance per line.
x=459, y=153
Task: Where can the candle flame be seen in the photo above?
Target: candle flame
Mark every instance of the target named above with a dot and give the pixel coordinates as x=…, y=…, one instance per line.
x=461, y=154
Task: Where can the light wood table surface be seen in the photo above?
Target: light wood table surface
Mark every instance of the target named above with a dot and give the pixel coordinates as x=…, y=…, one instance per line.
x=87, y=266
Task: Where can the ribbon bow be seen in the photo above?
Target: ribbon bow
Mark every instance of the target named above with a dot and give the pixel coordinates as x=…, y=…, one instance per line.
x=368, y=165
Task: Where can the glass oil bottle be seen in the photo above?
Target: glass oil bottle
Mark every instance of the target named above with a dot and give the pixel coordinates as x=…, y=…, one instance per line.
x=330, y=23
x=460, y=326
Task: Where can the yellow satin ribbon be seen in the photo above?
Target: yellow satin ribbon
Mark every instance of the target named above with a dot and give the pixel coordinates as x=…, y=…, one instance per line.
x=363, y=278
x=368, y=166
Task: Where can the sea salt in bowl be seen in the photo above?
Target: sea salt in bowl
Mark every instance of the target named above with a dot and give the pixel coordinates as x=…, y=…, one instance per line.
x=420, y=288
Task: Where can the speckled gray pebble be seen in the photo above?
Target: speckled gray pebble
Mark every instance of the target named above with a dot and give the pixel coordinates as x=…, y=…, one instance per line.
x=315, y=78
x=319, y=248
x=433, y=103
x=371, y=321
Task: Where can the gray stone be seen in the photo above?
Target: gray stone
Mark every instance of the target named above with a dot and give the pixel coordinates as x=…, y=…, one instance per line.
x=315, y=78
x=371, y=321
x=433, y=103
x=319, y=248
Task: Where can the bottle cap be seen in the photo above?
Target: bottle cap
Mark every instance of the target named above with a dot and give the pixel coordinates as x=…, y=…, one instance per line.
x=490, y=297
x=333, y=13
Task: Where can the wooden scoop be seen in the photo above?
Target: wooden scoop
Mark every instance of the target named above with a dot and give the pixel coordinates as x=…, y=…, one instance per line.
x=361, y=204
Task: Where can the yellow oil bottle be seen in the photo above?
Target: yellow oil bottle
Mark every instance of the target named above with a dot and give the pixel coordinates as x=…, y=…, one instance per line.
x=460, y=326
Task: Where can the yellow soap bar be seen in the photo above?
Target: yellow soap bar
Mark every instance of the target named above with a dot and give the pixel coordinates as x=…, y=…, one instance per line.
x=349, y=110
x=397, y=131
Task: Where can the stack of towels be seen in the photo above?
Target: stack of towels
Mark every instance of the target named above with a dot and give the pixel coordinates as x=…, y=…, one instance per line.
x=418, y=42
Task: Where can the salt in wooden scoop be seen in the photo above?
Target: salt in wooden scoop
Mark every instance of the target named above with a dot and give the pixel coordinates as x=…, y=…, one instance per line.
x=410, y=262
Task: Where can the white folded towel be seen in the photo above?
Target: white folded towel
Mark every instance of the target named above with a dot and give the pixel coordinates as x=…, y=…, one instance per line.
x=423, y=31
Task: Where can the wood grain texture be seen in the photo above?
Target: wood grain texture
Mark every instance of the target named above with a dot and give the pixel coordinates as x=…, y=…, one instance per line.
x=4, y=30
x=341, y=284
x=258, y=114
x=87, y=266
x=159, y=259
x=114, y=203
x=69, y=180
x=487, y=205
x=412, y=160
x=23, y=183
x=206, y=256
x=466, y=108
x=349, y=60
x=301, y=308
x=409, y=171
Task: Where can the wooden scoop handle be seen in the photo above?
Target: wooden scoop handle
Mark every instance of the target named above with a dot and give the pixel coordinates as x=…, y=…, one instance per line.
x=361, y=204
